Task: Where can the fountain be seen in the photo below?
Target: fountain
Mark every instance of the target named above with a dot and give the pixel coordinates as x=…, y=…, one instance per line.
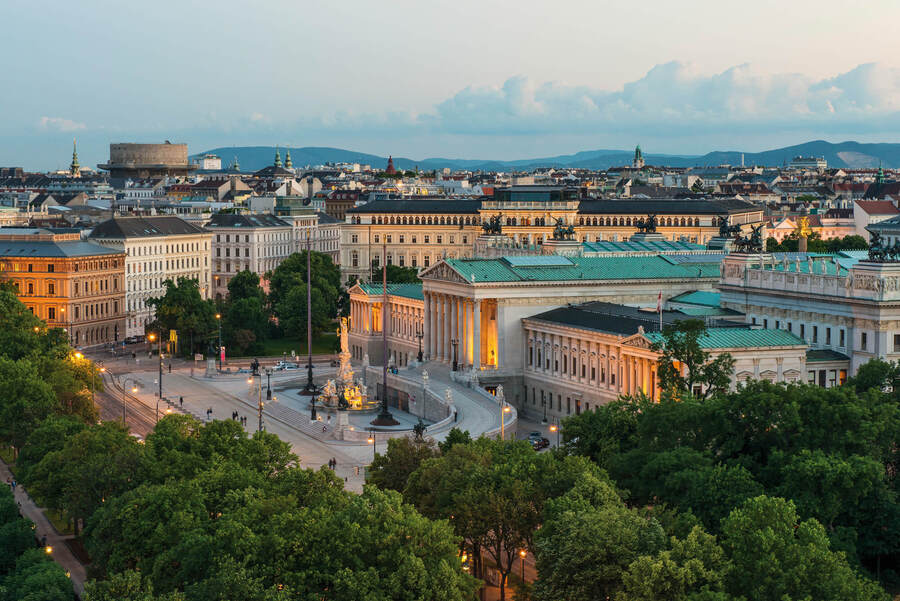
x=343, y=393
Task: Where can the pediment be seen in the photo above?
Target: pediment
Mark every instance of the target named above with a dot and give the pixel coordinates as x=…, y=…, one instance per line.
x=443, y=272
x=637, y=341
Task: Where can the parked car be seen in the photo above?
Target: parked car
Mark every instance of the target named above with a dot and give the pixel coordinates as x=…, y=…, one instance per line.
x=541, y=443
x=282, y=365
x=533, y=436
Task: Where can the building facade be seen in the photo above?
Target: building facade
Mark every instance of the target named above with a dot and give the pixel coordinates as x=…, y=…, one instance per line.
x=419, y=232
x=156, y=249
x=69, y=283
x=255, y=242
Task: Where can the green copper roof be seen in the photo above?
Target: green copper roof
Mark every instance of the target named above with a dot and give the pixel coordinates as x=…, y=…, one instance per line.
x=698, y=297
x=717, y=338
x=639, y=246
x=580, y=268
x=820, y=355
x=413, y=291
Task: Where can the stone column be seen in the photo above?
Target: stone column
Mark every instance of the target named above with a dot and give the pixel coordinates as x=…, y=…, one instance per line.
x=780, y=362
x=454, y=327
x=495, y=332
x=476, y=334
x=426, y=324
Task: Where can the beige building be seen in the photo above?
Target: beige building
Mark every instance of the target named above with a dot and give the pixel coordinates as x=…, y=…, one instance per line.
x=419, y=232
x=156, y=249
x=71, y=284
x=254, y=242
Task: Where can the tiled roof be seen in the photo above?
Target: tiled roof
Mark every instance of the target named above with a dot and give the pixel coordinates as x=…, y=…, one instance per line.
x=724, y=338
x=822, y=355
x=49, y=249
x=877, y=207
x=254, y=220
x=144, y=227
x=609, y=318
x=438, y=205
x=662, y=246
x=665, y=206
x=581, y=268
x=405, y=290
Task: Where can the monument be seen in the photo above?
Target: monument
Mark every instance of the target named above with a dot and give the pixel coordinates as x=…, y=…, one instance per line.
x=342, y=393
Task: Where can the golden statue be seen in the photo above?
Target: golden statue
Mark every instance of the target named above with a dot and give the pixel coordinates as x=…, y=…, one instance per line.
x=803, y=230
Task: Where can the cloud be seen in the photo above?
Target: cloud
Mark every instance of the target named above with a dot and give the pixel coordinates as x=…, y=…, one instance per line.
x=673, y=98
x=60, y=124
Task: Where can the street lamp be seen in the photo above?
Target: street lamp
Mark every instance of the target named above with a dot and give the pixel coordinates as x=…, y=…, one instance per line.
x=371, y=441
x=158, y=337
x=259, y=401
x=522, y=554
x=555, y=428
x=454, y=342
x=310, y=387
x=312, y=405
x=219, y=348
x=93, y=383
x=419, y=335
x=268, y=383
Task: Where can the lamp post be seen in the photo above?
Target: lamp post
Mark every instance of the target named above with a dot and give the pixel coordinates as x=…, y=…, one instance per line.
x=312, y=406
x=504, y=408
x=159, y=397
x=371, y=441
x=310, y=387
x=424, y=385
x=555, y=428
x=93, y=383
x=419, y=335
x=454, y=342
x=268, y=383
x=219, y=348
x=522, y=554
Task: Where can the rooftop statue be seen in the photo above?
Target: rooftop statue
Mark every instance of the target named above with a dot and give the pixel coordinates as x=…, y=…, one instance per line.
x=648, y=225
x=726, y=230
x=752, y=244
x=492, y=226
x=562, y=231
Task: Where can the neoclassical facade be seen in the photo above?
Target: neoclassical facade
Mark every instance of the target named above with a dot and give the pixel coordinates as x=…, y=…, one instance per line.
x=71, y=284
x=846, y=309
x=255, y=242
x=157, y=249
x=405, y=316
x=582, y=356
x=419, y=232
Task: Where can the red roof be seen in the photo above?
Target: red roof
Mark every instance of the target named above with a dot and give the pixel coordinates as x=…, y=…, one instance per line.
x=878, y=207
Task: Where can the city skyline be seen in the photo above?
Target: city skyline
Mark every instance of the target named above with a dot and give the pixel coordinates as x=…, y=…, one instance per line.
x=423, y=81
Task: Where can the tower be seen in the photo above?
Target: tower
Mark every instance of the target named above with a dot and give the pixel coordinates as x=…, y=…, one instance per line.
x=75, y=168
x=879, y=179
x=390, y=166
x=287, y=160
x=638, y=162
x=235, y=166
x=277, y=157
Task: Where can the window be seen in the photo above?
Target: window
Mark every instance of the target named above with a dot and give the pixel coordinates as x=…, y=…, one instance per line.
x=413, y=238
x=451, y=240
x=354, y=259
x=51, y=289
x=51, y=313
x=401, y=238
x=387, y=238
x=777, y=325
x=377, y=238
x=50, y=268
x=426, y=260
x=402, y=260
x=863, y=341
x=531, y=355
x=841, y=338
x=427, y=238
x=828, y=336
x=354, y=238
x=753, y=321
x=766, y=324
x=30, y=288
x=465, y=239
x=414, y=263
x=815, y=334
x=440, y=239
x=803, y=331
x=565, y=364
x=790, y=327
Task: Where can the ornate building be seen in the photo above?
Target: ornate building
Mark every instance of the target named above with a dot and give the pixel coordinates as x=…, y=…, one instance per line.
x=156, y=249
x=418, y=232
x=69, y=283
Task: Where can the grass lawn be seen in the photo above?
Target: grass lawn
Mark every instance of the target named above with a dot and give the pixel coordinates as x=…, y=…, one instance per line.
x=6, y=454
x=323, y=345
x=59, y=521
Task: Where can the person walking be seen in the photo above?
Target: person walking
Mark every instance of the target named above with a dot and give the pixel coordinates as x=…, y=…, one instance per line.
x=181, y=401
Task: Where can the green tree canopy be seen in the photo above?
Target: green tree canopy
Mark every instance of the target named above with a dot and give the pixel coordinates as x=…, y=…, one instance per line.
x=183, y=308
x=287, y=293
x=685, y=368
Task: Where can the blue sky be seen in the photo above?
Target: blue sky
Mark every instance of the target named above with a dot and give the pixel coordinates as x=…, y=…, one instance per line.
x=461, y=78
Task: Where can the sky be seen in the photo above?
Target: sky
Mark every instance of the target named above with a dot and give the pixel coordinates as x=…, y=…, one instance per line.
x=480, y=79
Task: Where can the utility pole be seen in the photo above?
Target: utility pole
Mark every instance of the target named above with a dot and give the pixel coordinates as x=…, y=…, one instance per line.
x=384, y=416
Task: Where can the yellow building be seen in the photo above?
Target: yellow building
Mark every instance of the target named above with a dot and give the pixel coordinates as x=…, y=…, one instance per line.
x=69, y=283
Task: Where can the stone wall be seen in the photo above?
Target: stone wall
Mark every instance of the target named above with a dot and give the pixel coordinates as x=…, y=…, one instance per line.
x=148, y=154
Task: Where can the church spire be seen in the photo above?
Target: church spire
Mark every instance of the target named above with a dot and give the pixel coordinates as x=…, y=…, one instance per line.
x=277, y=157
x=236, y=166
x=75, y=168
x=287, y=160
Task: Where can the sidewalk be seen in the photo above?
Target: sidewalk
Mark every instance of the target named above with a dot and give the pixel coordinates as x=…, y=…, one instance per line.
x=61, y=553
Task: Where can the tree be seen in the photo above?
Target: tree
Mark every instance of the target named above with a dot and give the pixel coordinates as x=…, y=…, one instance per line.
x=776, y=556
x=401, y=275
x=25, y=400
x=587, y=541
x=287, y=293
x=693, y=565
x=36, y=577
x=183, y=309
x=51, y=435
x=125, y=586
x=403, y=457
x=454, y=436
x=93, y=466
x=685, y=368
x=245, y=284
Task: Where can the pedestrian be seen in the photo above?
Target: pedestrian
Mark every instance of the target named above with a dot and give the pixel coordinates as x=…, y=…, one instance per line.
x=181, y=401
x=170, y=368
x=324, y=428
x=133, y=356
x=334, y=463
x=44, y=540
x=14, y=485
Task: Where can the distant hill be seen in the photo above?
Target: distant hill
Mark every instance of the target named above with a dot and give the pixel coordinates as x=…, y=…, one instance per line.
x=843, y=154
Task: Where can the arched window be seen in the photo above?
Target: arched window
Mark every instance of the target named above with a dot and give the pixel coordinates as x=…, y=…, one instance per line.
x=581, y=221
x=467, y=221
x=514, y=220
